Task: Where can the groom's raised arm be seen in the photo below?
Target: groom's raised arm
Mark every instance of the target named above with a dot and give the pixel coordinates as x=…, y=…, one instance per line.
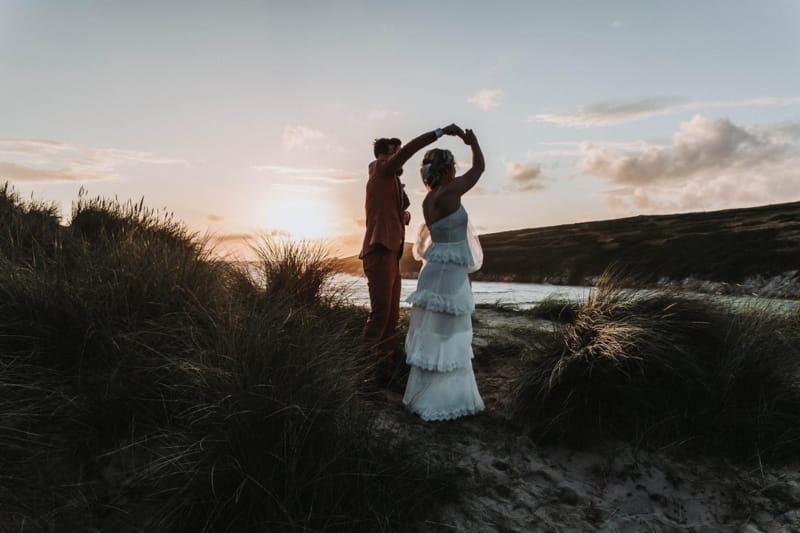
x=396, y=161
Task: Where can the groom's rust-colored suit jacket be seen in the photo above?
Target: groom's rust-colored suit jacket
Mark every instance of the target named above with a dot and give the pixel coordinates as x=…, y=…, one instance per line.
x=384, y=206
x=386, y=199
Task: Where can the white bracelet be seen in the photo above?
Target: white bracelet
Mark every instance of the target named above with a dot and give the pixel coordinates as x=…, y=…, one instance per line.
x=439, y=132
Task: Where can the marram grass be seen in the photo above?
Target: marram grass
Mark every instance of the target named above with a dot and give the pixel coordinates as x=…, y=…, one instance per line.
x=663, y=369
x=146, y=386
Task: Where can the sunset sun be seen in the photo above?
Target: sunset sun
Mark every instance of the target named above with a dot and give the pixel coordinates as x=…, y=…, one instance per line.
x=302, y=218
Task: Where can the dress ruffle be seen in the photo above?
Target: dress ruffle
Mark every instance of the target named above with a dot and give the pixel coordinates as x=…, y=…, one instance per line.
x=439, y=416
x=457, y=253
x=442, y=395
x=453, y=305
x=440, y=353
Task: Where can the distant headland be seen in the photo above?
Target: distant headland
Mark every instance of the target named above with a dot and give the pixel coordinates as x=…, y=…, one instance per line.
x=732, y=250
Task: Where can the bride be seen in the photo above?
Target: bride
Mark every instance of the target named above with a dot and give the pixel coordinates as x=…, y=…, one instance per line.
x=441, y=384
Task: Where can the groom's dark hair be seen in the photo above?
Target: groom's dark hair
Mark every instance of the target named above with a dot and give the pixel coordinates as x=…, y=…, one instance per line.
x=382, y=145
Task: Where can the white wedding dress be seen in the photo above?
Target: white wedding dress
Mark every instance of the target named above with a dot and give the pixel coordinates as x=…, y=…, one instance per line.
x=441, y=384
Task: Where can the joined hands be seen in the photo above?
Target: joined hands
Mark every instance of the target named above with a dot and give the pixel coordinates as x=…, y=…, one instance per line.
x=467, y=136
x=452, y=129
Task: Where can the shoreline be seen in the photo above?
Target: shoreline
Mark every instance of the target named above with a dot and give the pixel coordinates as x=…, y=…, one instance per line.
x=785, y=286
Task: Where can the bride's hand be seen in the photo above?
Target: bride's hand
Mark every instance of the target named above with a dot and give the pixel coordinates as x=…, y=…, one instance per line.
x=469, y=137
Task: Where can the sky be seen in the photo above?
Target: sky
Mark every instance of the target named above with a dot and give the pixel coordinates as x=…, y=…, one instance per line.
x=252, y=119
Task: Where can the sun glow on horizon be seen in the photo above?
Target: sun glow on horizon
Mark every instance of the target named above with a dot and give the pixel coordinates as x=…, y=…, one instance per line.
x=306, y=218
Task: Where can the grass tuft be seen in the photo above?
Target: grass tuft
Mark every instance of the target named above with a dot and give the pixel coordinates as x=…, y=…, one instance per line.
x=300, y=271
x=667, y=370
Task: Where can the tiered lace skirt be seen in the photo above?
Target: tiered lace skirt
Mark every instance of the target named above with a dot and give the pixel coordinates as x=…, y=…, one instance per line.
x=441, y=384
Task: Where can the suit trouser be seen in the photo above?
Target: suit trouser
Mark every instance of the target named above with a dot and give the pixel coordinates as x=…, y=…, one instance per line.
x=382, y=267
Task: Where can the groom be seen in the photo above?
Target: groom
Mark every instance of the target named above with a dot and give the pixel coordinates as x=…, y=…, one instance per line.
x=386, y=204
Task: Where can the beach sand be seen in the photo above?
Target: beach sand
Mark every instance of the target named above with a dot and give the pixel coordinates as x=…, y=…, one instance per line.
x=507, y=482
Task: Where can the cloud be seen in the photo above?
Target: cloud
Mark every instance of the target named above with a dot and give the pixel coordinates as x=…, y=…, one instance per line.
x=247, y=237
x=779, y=101
x=326, y=175
x=486, y=99
x=481, y=191
x=612, y=113
x=575, y=149
x=525, y=177
x=708, y=163
x=609, y=113
x=701, y=145
x=300, y=136
x=41, y=160
x=14, y=172
x=233, y=237
x=270, y=233
x=785, y=132
x=215, y=218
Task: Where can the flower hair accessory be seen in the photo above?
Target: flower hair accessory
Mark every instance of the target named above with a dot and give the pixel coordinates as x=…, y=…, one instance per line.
x=426, y=171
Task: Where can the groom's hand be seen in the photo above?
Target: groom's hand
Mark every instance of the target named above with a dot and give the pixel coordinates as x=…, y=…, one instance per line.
x=452, y=129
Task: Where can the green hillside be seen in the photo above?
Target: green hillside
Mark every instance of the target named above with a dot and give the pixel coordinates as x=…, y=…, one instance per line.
x=727, y=246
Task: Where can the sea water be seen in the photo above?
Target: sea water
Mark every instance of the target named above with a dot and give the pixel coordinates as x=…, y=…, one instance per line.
x=520, y=295
x=527, y=295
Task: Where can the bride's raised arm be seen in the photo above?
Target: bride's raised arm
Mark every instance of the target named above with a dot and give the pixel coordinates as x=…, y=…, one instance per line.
x=471, y=176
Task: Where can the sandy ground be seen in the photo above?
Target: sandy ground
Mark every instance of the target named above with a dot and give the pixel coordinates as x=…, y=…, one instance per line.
x=509, y=483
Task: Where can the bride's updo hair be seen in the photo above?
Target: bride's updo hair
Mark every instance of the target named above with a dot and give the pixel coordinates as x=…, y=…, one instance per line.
x=435, y=165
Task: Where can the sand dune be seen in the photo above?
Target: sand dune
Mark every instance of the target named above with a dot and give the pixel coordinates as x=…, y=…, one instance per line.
x=510, y=483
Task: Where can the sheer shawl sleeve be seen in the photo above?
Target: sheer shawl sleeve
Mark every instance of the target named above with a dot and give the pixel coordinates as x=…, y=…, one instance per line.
x=475, y=249
x=422, y=243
